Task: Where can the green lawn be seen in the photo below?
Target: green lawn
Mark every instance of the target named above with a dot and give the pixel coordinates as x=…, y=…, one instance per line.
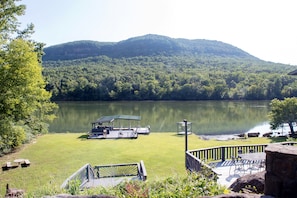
x=54, y=157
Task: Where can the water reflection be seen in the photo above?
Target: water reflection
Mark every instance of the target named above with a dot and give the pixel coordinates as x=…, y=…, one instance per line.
x=207, y=117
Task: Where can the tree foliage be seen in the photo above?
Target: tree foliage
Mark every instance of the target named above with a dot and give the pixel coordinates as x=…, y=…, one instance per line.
x=283, y=111
x=154, y=67
x=168, y=78
x=8, y=18
x=25, y=106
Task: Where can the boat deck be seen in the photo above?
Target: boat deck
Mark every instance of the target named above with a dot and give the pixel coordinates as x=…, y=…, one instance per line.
x=121, y=134
x=113, y=127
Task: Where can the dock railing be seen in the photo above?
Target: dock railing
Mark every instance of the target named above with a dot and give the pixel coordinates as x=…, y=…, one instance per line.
x=196, y=159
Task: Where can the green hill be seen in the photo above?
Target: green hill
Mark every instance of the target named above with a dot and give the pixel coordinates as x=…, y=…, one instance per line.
x=147, y=45
x=154, y=67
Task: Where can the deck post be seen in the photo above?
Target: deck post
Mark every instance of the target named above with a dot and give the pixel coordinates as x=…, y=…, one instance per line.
x=223, y=154
x=89, y=173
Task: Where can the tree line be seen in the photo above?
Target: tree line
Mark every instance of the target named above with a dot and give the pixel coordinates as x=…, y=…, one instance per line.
x=168, y=78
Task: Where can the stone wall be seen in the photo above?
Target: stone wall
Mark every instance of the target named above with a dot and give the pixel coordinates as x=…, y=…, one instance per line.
x=281, y=171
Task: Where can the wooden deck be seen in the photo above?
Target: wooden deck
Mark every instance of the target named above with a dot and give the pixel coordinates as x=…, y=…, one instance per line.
x=218, y=160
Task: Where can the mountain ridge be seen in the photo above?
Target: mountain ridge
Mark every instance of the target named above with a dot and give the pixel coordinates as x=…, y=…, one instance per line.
x=146, y=45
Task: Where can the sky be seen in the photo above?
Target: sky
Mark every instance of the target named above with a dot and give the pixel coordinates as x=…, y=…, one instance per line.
x=266, y=29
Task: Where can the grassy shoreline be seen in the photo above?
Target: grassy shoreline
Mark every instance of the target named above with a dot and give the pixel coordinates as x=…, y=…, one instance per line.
x=54, y=157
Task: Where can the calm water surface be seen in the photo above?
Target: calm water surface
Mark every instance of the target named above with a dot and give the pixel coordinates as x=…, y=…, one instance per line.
x=207, y=117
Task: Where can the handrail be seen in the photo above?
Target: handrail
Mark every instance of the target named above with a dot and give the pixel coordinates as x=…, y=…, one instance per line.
x=224, y=153
x=120, y=170
x=83, y=175
x=88, y=173
x=195, y=159
x=192, y=162
x=142, y=171
x=116, y=170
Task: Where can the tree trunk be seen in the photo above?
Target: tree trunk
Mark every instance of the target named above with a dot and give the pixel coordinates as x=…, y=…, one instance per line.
x=291, y=128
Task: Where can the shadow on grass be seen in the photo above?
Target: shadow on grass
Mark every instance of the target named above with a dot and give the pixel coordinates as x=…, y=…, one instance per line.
x=278, y=139
x=83, y=137
x=179, y=135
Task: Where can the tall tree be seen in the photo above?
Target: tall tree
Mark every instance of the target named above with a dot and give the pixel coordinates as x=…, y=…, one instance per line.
x=283, y=111
x=8, y=18
x=25, y=106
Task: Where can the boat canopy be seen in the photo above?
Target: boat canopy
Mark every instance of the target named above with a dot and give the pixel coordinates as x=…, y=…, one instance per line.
x=117, y=117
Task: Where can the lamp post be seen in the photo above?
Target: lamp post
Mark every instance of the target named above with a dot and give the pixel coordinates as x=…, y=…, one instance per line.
x=186, y=135
x=186, y=140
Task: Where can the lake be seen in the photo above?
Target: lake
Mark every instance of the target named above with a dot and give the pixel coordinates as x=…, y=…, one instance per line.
x=207, y=117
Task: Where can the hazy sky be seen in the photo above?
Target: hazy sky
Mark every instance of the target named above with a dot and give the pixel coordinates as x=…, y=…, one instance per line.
x=266, y=29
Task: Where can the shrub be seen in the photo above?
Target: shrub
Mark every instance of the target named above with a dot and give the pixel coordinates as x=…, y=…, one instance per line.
x=192, y=185
x=11, y=136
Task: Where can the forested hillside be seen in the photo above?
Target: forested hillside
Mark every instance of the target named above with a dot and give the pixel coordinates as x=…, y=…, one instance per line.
x=160, y=68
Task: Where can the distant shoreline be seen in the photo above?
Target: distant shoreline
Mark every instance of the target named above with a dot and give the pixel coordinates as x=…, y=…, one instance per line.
x=249, y=133
x=220, y=137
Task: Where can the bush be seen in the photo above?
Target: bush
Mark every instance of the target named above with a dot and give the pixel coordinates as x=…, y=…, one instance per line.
x=11, y=137
x=192, y=185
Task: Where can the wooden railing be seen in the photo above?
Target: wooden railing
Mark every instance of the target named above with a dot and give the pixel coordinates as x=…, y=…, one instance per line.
x=195, y=159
